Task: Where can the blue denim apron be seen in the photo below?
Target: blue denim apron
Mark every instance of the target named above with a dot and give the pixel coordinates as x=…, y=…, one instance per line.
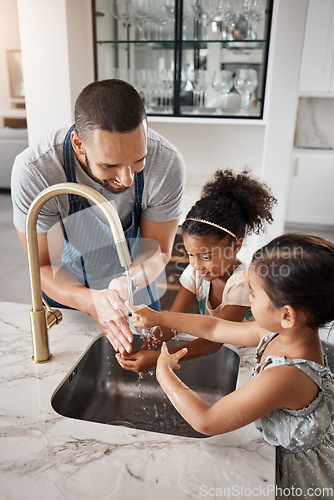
x=89, y=252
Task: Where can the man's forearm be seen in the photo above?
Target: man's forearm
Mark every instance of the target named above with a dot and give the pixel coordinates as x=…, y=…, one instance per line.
x=65, y=289
x=146, y=267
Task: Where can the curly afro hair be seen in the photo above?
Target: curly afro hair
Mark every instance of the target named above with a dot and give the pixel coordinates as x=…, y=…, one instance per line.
x=232, y=200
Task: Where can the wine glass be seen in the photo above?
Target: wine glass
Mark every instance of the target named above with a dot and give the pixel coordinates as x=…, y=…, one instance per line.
x=229, y=11
x=245, y=83
x=169, y=6
x=222, y=84
x=122, y=10
x=198, y=17
x=159, y=18
x=253, y=10
x=211, y=9
x=186, y=87
x=142, y=87
x=188, y=19
x=141, y=16
x=200, y=80
x=166, y=86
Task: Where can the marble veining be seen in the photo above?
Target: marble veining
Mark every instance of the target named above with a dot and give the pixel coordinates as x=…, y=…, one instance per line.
x=45, y=455
x=315, y=123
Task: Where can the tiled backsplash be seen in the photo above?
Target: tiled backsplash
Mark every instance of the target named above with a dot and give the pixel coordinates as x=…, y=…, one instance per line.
x=315, y=123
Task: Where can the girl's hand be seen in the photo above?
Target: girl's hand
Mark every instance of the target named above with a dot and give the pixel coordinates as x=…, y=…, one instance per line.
x=143, y=316
x=138, y=361
x=168, y=361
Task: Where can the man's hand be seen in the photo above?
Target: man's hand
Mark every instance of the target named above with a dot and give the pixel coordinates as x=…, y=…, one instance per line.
x=120, y=286
x=111, y=320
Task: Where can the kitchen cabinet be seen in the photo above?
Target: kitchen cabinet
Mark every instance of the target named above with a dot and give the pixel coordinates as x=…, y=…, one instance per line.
x=310, y=200
x=198, y=58
x=317, y=68
x=312, y=170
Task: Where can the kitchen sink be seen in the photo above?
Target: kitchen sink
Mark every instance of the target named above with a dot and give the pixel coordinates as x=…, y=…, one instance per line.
x=98, y=390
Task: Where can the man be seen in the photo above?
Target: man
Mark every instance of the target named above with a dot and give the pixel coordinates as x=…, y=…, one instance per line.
x=111, y=150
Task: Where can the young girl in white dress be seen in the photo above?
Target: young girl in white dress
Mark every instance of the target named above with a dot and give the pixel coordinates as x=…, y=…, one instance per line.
x=231, y=206
x=290, y=396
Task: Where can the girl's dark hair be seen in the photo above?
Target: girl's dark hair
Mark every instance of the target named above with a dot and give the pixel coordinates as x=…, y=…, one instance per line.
x=298, y=270
x=111, y=105
x=235, y=201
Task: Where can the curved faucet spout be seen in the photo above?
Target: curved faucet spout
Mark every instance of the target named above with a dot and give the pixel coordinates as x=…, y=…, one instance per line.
x=39, y=315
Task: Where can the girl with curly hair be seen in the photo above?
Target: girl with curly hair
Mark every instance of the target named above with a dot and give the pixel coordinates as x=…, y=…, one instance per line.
x=231, y=206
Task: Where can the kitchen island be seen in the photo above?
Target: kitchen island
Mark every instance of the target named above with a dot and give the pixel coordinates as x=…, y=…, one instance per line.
x=45, y=455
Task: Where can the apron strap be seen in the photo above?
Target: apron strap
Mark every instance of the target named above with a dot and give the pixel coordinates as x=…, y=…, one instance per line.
x=139, y=185
x=69, y=167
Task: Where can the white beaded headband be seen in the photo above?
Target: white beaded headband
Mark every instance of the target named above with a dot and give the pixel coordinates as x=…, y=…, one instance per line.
x=214, y=225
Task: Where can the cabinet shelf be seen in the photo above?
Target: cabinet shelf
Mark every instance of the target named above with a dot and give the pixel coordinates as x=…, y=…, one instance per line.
x=176, y=73
x=225, y=44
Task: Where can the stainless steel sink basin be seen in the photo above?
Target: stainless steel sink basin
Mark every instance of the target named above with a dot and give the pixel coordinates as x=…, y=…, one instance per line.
x=99, y=390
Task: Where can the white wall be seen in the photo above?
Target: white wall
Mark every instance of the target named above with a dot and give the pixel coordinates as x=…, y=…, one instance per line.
x=57, y=57
x=286, y=47
x=209, y=147
x=9, y=40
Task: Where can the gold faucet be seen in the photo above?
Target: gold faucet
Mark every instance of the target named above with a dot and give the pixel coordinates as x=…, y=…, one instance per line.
x=42, y=317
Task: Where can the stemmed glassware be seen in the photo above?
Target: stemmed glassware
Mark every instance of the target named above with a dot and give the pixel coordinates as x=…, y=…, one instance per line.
x=166, y=96
x=159, y=18
x=186, y=88
x=200, y=80
x=253, y=11
x=222, y=83
x=210, y=9
x=229, y=14
x=122, y=10
x=232, y=19
x=169, y=6
x=188, y=21
x=196, y=6
x=142, y=87
x=142, y=10
x=246, y=82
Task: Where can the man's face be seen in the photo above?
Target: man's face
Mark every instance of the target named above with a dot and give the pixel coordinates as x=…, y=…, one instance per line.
x=112, y=158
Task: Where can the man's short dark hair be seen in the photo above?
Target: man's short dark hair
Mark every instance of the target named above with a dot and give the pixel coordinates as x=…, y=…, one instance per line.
x=111, y=105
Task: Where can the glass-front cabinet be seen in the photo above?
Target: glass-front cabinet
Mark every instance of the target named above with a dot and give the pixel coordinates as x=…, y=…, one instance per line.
x=197, y=58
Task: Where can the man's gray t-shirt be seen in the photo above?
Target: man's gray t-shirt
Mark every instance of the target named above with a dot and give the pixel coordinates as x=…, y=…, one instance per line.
x=41, y=165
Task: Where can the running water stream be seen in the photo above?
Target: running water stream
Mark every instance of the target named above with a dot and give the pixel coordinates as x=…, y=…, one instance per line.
x=151, y=335
x=147, y=334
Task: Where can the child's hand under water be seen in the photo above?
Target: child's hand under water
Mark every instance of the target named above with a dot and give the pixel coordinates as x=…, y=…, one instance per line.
x=138, y=361
x=143, y=316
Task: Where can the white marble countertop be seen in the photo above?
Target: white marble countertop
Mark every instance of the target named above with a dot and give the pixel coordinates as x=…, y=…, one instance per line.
x=44, y=455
